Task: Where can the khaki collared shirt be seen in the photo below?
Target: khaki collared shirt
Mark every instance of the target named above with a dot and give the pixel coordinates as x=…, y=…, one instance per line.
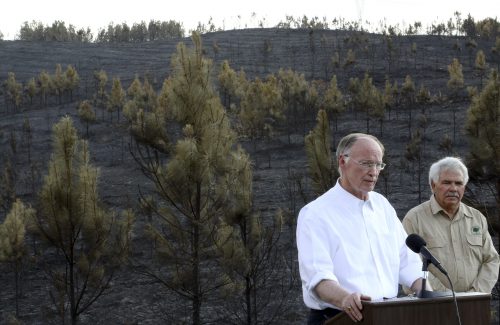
x=462, y=245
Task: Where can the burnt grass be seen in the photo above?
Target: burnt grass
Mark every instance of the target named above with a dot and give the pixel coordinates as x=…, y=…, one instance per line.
x=280, y=163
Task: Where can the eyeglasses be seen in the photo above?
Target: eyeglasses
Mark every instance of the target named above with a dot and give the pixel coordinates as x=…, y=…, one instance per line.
x=368, y=164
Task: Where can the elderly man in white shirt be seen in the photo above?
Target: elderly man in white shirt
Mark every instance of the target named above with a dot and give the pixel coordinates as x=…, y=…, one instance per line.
x=351, y=244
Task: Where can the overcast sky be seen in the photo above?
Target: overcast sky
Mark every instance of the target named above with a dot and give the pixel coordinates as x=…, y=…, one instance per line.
x=231, y=14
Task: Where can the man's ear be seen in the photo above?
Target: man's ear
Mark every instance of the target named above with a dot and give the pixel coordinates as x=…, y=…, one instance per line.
x=433, y=186
x=342, y=161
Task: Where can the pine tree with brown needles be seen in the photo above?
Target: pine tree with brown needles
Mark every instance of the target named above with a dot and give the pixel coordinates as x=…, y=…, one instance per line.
x=91, y=242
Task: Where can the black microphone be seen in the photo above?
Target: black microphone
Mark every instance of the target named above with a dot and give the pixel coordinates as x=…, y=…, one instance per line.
x=417, y=244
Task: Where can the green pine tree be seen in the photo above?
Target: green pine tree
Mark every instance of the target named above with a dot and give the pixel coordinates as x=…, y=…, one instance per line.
x=261, y=106
x=45, y=85
x=195, y=187
x=414, y=154
x=59, y=82
x=31, y=89
x=455, y=85
x=116, y=98
x=483, y=130
x=14, y=90
x=321, y=163
x=72, y=80
x=7, y=186
x=87, y=114
x=408, y=95
x=228, y=81
x=91, y=242
x=293, y=88
x=100, y=96
x=480, y=66
x=333, y=101
x=12, y=246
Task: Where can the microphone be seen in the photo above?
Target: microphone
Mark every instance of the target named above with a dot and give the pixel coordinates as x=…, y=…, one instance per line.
x=417, y=244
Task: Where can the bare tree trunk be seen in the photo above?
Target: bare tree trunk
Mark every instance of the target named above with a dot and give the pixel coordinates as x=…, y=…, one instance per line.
x=196, y=262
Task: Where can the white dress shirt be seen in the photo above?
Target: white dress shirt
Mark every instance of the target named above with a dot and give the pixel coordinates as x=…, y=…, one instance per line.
x=360, y=244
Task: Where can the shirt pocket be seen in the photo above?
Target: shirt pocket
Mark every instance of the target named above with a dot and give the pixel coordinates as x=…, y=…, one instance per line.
x=475, y=246
x=474, y=240
x=439, y=248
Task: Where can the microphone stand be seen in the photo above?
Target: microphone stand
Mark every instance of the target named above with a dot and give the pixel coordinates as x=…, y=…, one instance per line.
x=433, y=294
x=423, y=293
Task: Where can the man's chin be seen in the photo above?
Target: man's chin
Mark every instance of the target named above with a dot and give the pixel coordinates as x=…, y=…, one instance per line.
x=451, y=205
x=369, y=188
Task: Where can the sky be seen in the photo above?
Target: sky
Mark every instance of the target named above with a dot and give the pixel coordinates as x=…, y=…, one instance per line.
x=229, y=14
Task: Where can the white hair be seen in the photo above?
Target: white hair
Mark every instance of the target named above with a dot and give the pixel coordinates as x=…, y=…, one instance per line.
x=447, y=163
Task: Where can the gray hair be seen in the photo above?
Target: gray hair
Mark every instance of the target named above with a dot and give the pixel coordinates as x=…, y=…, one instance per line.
x=346, y=143
x=447, y=163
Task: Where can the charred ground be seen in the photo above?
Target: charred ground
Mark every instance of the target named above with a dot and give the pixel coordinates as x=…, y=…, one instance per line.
x=279, y=162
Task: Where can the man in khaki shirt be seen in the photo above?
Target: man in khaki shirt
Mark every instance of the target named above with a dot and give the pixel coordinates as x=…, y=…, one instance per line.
x=456, y=234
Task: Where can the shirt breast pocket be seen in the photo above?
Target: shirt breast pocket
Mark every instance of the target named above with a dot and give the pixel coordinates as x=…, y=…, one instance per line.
x=438, y=247
x=474, y=240
x=475, y=244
